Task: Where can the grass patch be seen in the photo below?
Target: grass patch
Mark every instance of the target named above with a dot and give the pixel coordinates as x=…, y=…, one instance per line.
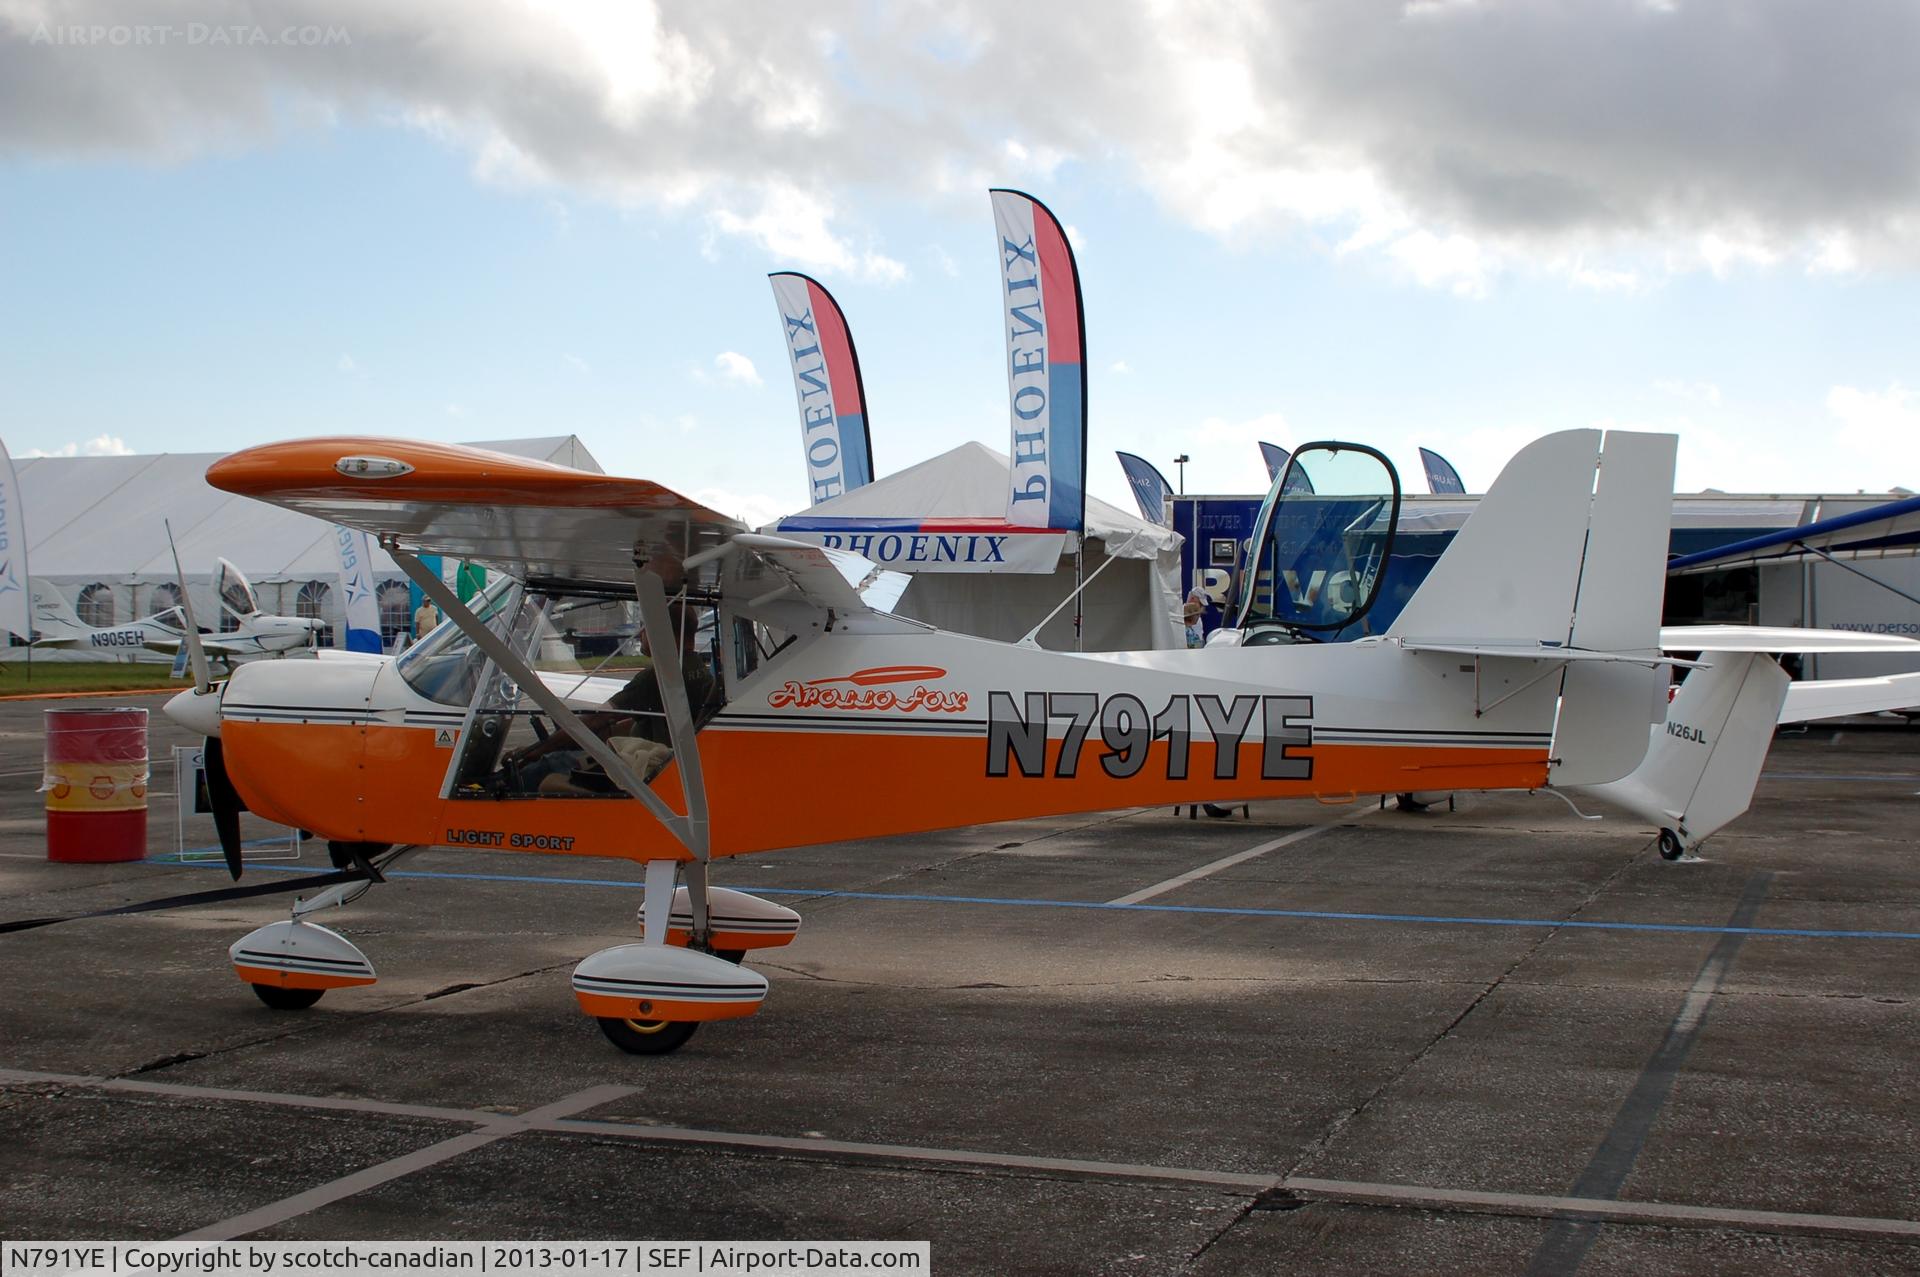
x=86, y=676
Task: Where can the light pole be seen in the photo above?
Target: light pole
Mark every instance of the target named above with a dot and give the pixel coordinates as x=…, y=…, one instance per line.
x=1181, y=461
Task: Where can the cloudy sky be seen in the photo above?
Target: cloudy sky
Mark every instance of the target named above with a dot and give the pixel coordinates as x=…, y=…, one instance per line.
x=1437, y=222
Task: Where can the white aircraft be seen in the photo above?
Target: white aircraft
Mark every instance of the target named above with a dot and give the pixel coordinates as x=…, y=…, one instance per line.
x=1531, y=657
x=255, y=633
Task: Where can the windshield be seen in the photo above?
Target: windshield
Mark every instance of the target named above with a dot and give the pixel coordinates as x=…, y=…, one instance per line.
x=445, y=665
x=1320, y=542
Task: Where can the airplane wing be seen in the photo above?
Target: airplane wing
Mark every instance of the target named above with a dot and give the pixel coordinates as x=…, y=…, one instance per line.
x=542, y=523
x=1879, y=532
x=1778, y=638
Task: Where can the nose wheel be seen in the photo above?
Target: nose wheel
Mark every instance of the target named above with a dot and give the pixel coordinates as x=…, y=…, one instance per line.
x=1671, y=848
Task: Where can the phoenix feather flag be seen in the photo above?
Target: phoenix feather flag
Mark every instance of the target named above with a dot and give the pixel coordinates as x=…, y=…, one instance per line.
x=1150, y=487
x=1046, y=365
x=826, y=379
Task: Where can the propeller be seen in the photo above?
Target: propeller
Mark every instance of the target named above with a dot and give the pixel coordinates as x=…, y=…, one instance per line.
x=221, y=794
x=196, y=653
x=226, y=803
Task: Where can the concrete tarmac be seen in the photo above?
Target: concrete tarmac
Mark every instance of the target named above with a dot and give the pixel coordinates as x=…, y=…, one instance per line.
x=1498, y=1040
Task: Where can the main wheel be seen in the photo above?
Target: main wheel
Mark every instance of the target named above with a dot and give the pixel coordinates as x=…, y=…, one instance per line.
x=735, y=956
x=648, y=1037
x=1670, y=845
x=281, y=999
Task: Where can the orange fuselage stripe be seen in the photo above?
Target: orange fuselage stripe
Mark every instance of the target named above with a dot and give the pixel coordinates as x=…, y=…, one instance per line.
x=767, y=789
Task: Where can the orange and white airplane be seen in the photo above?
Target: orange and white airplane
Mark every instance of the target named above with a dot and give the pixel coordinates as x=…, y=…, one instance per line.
x=758, y=693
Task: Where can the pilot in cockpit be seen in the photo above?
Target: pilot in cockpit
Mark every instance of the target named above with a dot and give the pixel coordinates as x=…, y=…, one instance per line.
x=633, y=723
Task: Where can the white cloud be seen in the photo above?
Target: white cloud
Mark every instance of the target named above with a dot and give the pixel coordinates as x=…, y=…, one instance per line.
x=795, y=226
x=1704, y=392
x=735, y=366
x=98, y=446
x=577, y=364
x=1120, y=366
x=455, y=410
x=1459, y=141
x=1454, y=262
x=346, y=364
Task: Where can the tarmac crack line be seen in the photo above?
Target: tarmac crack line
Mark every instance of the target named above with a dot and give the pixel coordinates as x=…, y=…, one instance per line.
x=1342, y=1121
x=1566, y=1245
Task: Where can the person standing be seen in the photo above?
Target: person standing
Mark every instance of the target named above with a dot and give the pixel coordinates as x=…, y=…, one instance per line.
x=1194, y=613
x=425, y=617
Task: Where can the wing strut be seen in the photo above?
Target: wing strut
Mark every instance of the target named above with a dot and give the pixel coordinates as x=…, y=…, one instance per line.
x=690, y=831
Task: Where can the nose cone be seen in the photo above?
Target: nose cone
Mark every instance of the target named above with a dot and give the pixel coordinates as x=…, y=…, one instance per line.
x=197, y=711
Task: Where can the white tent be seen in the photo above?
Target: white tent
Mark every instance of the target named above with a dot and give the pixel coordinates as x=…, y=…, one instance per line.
x=96, y=532
x=1130, y=605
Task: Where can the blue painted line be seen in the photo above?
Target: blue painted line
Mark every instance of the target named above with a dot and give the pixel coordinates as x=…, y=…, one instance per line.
x=1322, y=915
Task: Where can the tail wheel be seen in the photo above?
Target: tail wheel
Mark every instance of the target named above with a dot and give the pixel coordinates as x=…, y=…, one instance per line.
x=648, y=1037
x=1671, y=847
x=286, y=999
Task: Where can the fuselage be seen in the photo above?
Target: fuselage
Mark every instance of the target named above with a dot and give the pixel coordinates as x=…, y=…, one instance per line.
x=859, y=735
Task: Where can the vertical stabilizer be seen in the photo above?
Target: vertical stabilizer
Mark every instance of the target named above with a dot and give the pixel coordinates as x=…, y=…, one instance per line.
x=1607, y=707
x=52, y=614
x=1510, y=574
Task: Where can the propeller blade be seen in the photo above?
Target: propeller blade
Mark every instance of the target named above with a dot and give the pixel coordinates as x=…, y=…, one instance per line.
x=196, y=652
x=227, y=804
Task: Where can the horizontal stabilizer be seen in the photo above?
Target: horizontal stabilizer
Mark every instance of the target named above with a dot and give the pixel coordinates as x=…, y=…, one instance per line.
x=1540, y=652
x=1778, y=638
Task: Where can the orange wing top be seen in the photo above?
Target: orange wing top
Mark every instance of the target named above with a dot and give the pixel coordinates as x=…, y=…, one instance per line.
x=526, y=518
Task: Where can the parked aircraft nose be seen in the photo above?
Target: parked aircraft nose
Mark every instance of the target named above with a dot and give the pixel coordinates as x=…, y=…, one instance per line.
x=197, y=711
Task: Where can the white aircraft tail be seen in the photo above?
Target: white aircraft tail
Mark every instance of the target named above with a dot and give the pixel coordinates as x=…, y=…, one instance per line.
x=53, y=616
x=1704, y=761
x=1567, y=550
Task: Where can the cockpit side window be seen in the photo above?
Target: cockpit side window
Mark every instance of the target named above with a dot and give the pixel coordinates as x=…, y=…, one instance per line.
x=596, y=655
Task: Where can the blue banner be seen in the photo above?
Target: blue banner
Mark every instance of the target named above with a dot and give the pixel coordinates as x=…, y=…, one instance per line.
x=1150, y=487
x=1441, y=476
x=362, y=606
